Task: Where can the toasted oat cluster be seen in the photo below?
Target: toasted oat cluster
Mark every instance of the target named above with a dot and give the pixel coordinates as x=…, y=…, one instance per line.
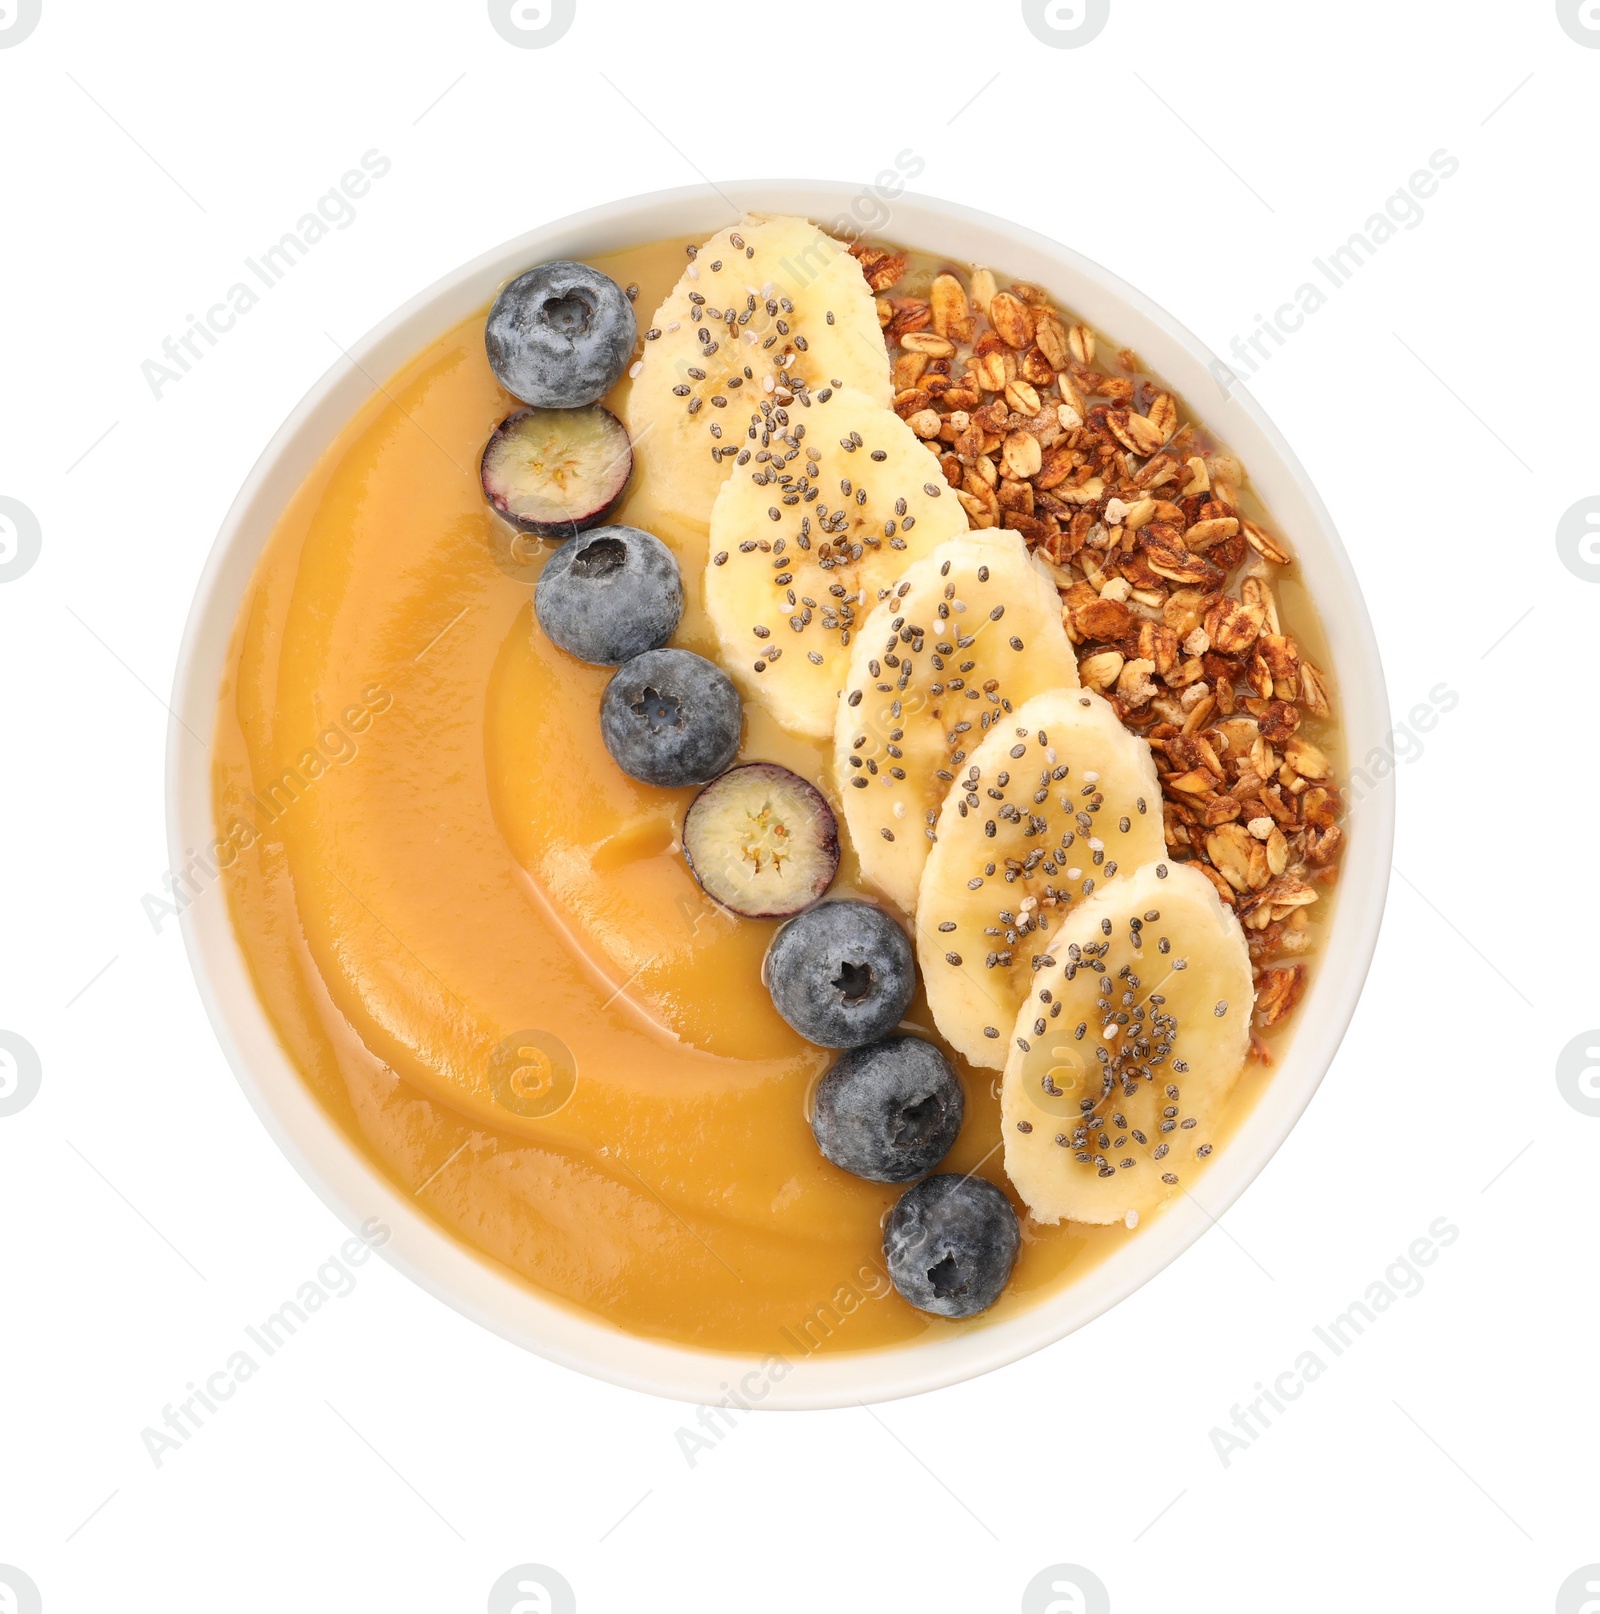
x=1166, y=581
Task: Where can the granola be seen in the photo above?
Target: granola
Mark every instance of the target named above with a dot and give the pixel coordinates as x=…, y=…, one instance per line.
x=1167, y=573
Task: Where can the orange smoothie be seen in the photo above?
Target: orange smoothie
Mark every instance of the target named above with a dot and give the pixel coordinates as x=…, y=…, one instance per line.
x=480, y=943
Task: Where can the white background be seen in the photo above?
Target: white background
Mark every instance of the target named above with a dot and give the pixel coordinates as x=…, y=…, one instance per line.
x=1444, y=402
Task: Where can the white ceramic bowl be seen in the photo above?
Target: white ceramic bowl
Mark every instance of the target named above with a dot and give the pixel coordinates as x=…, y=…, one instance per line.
x=480, y=1289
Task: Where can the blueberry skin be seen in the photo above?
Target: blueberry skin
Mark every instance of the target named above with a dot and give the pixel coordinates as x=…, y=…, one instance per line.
x=890, y=1111
x=951, y=1243
x=671, y=718
x=842, y=973
x=560, y=336
x=609, y=594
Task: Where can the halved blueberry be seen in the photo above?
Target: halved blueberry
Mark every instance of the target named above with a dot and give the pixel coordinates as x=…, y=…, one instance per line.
x=890, y=1111
x=951, y=1243
x=559, y=336
x=670, y=718
x=842, y=974
x=761, y=841
x=609, y=595
x=555, y=472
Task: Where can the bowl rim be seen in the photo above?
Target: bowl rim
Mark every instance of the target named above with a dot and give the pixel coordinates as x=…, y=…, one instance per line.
x=476, y=1286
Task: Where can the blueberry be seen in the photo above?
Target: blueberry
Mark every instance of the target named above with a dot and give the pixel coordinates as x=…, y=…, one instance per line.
x=761, y=841
x=951, y=1243
x=560, y=336
x=670, y=718
x=557, y=472
x=890, y=1111
x=841, y=974
x=609, y=595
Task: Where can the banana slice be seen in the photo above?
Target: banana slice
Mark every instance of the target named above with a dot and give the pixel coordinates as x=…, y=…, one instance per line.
x=770, y=303
x=1056, y=800
x=823, y=511
x=1125, y=1055
x=971, y=632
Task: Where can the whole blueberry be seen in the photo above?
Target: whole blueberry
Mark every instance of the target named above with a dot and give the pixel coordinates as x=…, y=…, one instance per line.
x=890, y=1111
x=951, y=1243
x=560, y=336
x=841, y=974
x=609, y=595
x=669, y=717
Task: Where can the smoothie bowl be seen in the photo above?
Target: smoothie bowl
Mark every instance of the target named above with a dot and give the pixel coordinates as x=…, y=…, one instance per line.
x=772, y=802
